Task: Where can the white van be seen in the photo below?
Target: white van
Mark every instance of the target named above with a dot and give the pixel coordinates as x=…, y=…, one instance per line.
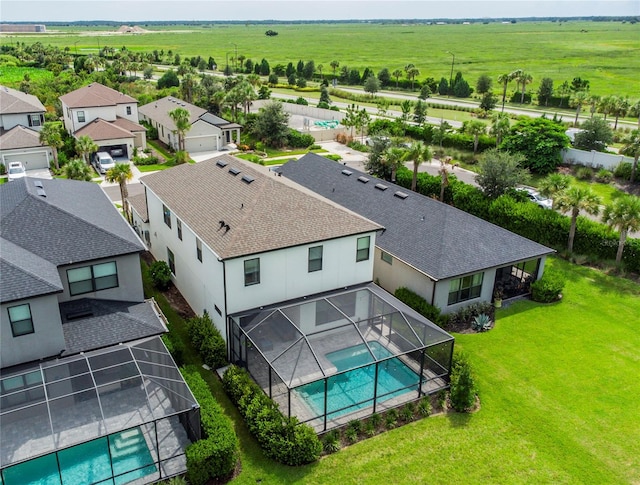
x=102, y=161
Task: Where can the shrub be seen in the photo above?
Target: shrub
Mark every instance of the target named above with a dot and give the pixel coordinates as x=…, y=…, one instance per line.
x=333, y=156
x=149, y=160
x=407, y=412
x=419, y=304
x=181, y=157
x=375, y=419
x=351, y=435
x=3, y=169
x=356, y=425
x=282, y=439
x=481, y=323
x=424, y=406
x=548, y=288
x=296, y=139
x=463, y=388
x=208, y=341
x=370, y=429
x=623, y=170
x=216, y=455
x=160, y=274
x=175, y=347
x=584, y=173
x=391, y=419
x=331, y=441
x=604, y=176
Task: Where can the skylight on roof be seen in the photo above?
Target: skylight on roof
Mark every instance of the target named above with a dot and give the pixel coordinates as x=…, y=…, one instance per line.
x=347, y=172
x=364, y=180
x=401, y=195
x=247, y=178
x=381, y=187
x=222, y=163
x=234, y=171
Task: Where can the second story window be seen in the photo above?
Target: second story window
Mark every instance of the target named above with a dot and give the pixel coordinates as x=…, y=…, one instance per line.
x=80, y=115
x=128, y=110
x=35, y=120
x=315, y=259
x=178, y=226
x=199, y=250
x=252, y=272
x=362, y=253
x=92, y=278
x=20, y=319
x=167, y=215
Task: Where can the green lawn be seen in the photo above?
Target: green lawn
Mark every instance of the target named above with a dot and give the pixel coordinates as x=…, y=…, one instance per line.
x=559, y=387
x=12, y=75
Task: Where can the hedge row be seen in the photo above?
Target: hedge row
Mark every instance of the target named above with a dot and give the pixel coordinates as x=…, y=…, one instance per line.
x=526, y=219
x=208, y=341
x=420, y=305
x=215, y=456
x=283, y=439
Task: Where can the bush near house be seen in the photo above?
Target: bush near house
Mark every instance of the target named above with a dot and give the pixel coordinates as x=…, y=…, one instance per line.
x=421, y=305
x=462, y=393
x=208, y=341
x=548, y=288
x=215, y=456
x=160, y=274
x=283, y=439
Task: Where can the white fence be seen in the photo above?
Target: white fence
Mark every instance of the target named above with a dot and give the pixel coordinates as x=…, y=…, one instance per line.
x=573, y=156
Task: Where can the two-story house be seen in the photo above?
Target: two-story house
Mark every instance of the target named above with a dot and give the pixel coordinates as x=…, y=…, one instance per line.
x=21, y=119
x=287, y=277
x=208, y=132
x=108, y=116
x=83, y=370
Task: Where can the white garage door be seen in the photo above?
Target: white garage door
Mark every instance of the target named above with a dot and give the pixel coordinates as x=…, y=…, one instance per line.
x=201, y=144
x=30, y=161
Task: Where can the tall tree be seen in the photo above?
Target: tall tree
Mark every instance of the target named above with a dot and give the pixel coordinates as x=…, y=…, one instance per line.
x=606, y=105
x=574, y=200
x=362, y=122
x=545, y=90
x=84, y=146
x=271, y=125
x=334, y=65
x=397, y=73
x=553, y=185
x=420, y=112
x=577, y=101
x=475, y=128
x=623, y=214
x=121, y=174
x=372, y=85
x=499, y=171
x=411, y=72
x=634, y=109
x=181, y=119
x=595, y=134
x=619, y=107
x=393, y=157
x=523, y=78
x=351, y=118
x=504, y=79
x=631, y=148
x=51, y=135
x=499, y=126
x=484, y=84
x=418, y=152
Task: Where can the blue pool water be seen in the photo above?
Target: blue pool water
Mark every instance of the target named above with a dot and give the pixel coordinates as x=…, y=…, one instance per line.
x=353, y=390
x=88, y=463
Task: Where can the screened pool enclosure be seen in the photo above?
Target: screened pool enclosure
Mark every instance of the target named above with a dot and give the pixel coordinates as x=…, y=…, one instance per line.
x=334, y=357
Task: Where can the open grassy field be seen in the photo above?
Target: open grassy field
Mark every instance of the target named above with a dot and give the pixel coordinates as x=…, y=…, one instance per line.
x=12, y=75
x=605, y=53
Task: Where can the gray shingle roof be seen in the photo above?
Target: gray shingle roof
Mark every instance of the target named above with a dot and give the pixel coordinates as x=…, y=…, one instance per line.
x=263, y=212
x=74, y=222
x=95, y=95
x=100, y=130
x=14, y=101
x=20, y=137
x=106, y=322
x=159, y=111
x=433, y=237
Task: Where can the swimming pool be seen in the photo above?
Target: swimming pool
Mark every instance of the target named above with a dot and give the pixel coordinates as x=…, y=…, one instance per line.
x=353, y=390
x=88, y=463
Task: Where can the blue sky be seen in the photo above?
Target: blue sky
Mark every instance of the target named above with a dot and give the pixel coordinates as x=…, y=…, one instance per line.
x=138, y=10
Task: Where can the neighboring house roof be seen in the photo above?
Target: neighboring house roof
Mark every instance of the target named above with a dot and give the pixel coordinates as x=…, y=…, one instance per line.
x=159, y=112
x=128, y=125
x=433, y=237
x=100, y=129
x=63, y=221
x=139, y=204
x=20, y=137
x=95, y=95
x=262, y=212
x=13, y=101
x=103, y=323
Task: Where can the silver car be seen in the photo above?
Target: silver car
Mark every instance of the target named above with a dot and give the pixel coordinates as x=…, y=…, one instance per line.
x=102, y=162
x=536, y=197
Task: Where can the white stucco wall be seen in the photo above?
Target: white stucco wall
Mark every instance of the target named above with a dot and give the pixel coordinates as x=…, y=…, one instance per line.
x=47, y=339
x=442, y=292
x=203, y=137
x=71, y=123
x=121, y=111
x=399, y=274
x=10, y=120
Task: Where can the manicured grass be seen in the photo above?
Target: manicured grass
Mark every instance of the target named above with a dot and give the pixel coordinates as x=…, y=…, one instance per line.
x=559, y=386
x=602, y=52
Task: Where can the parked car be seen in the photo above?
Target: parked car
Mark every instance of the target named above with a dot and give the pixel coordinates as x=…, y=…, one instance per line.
x=102, y=162
x=536, y=197
x=16, y=171
x=116, y=152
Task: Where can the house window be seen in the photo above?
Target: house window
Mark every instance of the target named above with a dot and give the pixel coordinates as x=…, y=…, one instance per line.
x=252, y=272
x=386, y=257
x=92, y=278
x=199, y=250
x=20, y=319
x=465, y=288
x=35, y=120
x=315, y=259
x=167, y=215
x=362, y=254
x=80, y=115
x=178, y=225
x=128, y=110
x=171, y=259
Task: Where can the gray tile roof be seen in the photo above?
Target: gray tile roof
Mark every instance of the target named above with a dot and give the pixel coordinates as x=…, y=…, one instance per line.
x=14, y=101
x=103, y=323
x=95, y=95
x=263, y=212
x=19, y=137
x=74, y=222
x=159, y=111
x=433, y=237
x=100, y=130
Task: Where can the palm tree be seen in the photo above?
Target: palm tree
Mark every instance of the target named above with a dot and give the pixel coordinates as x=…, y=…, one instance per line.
x=577, y=101
x=476, y=128
x=121, y=173
x=180, y=117
x=574, y=200
x=84, y=146
x=411, y=72
x=334, y=65
x=606, y=105
x=76, y=169
x=444, y=178
x=500, y=125
x=418, y=153
x=593, y=101
x=631, y=148
x=619, y=107
x=397, y=73
x=319, y=68
x=634, y=109
x=553, y=185
x=504, y=79
x=393, y=157
x=624, y=215
x=52, y=136
x=522, y=78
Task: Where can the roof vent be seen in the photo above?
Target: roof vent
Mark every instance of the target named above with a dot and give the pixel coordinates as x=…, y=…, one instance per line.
x=41, y=192
x=401, y=195
x=247, y=178
x=381, y=187
x=37, y=183
x=222, y=163
x=234, y=171
x=347, y=172
x=364, y=180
